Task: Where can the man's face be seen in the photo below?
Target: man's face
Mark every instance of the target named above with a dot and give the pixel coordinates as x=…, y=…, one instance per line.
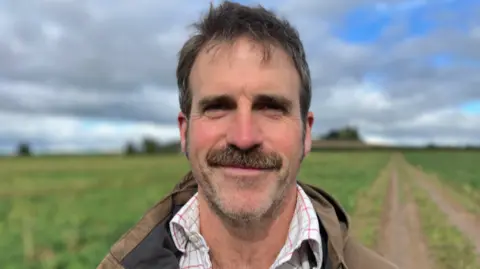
x=244, y=137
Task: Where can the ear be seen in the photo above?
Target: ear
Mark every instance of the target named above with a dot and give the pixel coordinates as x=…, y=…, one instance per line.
x=183, y=127
x=308, y=133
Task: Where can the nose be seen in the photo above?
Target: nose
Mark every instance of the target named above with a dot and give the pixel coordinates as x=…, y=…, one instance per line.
x=244, y=132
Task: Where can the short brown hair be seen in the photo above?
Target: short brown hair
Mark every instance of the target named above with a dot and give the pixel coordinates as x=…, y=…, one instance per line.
x=230, y=21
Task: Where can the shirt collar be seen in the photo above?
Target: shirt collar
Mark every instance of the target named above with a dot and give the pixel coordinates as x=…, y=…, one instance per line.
x=303, y=227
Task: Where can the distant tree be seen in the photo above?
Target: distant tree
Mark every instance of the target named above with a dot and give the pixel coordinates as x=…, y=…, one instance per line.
x=170, y=147
x=331, y=135
x=23, y=149
x=347, y=133
x=130, y=149
x=431, y=146
x=150, y=146
x=472, y=147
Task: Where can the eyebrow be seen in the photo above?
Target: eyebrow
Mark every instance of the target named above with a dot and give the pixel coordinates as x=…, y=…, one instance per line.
x=278, y=101
x=223, y=99
x=228, y=101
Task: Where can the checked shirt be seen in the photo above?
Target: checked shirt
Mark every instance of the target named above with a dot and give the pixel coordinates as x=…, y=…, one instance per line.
x=304, y=229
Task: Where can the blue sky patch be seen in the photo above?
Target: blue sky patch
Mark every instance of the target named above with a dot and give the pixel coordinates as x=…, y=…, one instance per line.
x=472, y=107
x=419, y=22
x=363, y=24
x=441, y=60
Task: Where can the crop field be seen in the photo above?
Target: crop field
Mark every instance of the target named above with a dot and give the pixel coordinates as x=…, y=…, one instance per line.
x=66, y=212
x=458, y=170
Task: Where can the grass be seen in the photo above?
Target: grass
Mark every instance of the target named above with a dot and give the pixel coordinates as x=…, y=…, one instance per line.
x=366, y=220
x=458, y=170
x=448, y=246
x=345, y=174
x=67, y=212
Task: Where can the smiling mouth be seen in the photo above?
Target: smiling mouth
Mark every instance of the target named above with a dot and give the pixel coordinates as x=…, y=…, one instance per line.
x=242, y=171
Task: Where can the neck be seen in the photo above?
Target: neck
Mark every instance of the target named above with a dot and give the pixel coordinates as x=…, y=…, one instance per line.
x=254, y=246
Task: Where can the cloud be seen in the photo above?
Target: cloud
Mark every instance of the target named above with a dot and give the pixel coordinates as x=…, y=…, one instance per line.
x=66, y=134
x=448, y=126
x=386, y=119
x=65, y=62
x=92, y=44
x=398, y=79
x=148, y=103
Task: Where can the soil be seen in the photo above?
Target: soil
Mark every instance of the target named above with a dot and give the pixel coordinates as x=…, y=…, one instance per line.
x=466, y=222
x=401, y=239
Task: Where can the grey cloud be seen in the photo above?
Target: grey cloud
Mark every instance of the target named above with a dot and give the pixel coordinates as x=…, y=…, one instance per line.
x=403, y=67
x=141, y=104
x=441, y=127
x=92, y=58
x=95, y=58
x=47, y=132
x=99, y=46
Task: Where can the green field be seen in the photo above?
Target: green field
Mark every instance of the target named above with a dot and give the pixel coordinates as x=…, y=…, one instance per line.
x=66, y=212
x=460, y=170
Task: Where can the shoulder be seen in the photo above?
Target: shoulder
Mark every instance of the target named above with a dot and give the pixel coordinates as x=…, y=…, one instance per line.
x=342, y=247
x=149, y=241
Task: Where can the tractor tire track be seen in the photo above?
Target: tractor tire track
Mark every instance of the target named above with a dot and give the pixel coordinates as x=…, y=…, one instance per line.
x=401, y=238
x=465, y=221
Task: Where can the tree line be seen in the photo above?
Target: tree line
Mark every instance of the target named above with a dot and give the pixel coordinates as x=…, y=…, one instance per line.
x=348, y=133
x=149, y=145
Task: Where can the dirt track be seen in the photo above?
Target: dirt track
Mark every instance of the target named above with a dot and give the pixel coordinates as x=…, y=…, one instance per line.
x=401, y=239
x=466, y=222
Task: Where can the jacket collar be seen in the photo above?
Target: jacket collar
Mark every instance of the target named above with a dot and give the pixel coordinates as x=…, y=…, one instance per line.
x=332, y=216
x=334, y=219
x=149, y=244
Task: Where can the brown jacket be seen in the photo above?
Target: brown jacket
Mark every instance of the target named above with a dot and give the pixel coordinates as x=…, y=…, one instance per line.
x=148, y=245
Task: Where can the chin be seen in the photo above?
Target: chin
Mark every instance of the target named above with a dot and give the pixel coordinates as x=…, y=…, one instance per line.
x=249, y=195
x=252, y=207
x=247, y=201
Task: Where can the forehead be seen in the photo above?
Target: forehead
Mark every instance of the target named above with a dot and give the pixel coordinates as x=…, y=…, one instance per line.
x=244, y=67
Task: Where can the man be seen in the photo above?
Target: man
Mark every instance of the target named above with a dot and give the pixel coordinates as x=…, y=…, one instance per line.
x=245, y=128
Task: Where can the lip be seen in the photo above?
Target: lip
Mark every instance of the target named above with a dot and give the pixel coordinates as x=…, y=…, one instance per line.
x=233, y=171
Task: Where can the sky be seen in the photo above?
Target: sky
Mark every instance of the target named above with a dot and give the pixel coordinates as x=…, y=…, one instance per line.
x=81, y=76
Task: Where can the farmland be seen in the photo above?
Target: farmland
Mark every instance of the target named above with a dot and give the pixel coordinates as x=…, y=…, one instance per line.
x=65, y=212
x=458, y=170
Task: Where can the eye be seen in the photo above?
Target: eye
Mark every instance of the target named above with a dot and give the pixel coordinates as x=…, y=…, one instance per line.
x=271, y=107
x=214, y=107
x=215, y=110
x=272, y=110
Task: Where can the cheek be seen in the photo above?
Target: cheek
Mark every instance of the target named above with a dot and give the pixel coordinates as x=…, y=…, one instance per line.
x=288, y=145
x=286, y=137
x=203, y=136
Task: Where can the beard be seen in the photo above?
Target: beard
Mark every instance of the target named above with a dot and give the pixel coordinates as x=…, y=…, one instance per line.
x=244, y=201
x=210, y=182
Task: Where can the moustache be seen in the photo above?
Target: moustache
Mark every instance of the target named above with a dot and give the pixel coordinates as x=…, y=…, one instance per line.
x=251, y=159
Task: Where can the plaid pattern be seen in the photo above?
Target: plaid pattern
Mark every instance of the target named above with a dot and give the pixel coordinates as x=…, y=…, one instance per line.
x=304, y=229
